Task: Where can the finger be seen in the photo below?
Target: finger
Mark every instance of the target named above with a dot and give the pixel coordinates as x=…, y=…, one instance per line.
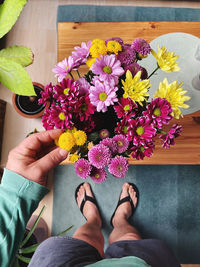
x=51, y=160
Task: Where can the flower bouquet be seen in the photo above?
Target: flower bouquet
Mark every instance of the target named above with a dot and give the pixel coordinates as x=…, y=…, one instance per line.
x=107, y=115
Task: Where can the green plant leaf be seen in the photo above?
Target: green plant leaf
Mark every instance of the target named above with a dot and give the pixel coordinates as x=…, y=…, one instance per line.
x=32, y=229
x=65, y=231
x=9, y=13
x=22, y=258
x=16, y=263
x=28, y=249
x=14, y=77
x=20, y=54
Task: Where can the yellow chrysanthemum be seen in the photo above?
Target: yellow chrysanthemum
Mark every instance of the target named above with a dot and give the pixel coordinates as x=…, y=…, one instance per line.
x=114, y=47
x=166, y=60
x=90, y=61
x=74, y=157
x=66, y=141
x=98, y=48
x=80, y=137
x=72, y=131
x=134, y=88
x=174, y=95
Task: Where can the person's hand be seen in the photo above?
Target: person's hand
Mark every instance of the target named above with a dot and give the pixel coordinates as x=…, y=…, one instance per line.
x=36, y=155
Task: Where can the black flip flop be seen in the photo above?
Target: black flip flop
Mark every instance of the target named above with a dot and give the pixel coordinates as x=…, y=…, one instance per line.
x=127, y=199
x=86, y=198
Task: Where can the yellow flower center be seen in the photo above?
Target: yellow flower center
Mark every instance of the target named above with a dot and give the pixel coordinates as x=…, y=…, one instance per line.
x=66, y=67
x=127, y=107
x=125, y=129
x=107, y=69
x=84, y=107
x=140, y=130
x=97, y=176
x=102, y=96
x=141, y=148
x=157, y=112
x=61, y=116
x=66, y=91
x=80, y=169
x=120, y=168
x=119, y=143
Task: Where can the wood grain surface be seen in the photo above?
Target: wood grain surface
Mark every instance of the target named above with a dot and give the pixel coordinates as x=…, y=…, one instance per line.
x=70, y=34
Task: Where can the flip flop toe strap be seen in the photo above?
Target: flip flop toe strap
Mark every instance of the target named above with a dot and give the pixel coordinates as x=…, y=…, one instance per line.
x=127, y=199
x=87, y=198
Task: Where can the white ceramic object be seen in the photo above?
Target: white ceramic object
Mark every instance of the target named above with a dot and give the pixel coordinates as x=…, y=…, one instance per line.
x=186, y=46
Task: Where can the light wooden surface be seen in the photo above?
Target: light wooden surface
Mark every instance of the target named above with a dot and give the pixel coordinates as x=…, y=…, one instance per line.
x=187, y=148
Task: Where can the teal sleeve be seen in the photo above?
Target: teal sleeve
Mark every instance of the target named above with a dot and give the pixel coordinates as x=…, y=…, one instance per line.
x=19, y=198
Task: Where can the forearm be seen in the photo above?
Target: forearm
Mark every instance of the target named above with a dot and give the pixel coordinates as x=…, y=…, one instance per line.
x=19, y=198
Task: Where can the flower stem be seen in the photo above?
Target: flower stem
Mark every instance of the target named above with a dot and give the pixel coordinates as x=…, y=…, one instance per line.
x=163, y=132
x=78, y=74
x=153, y=72
x=71, y=75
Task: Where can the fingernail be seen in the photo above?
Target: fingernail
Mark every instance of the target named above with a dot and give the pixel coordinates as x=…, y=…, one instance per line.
x=63, y=153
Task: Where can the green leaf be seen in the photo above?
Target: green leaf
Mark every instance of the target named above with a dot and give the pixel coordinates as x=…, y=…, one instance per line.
x=20, y=54
x=33, y=228
x=62, y=233
x=9, y=13
x=14, y=77
x=16, y=263
x=22, y=258
x=28, y=249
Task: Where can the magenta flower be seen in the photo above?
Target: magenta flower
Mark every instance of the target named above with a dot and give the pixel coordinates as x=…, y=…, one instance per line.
x=108, y=68
x=111, y=144
x=82, y=168
x=98, y=175
x=66, y=91
x=122, y=127
x=81, y=53
x=168, y=139
x=118, y=166
x=46, y=94
x=142, y=47
x=104, y=133
x=140, y=129
x=143, y=149
x=46, y=120
x=134, y=68
x=64, y=67
x=122, y=143
x=83, y=108
x=99, y=156
x=127, y=56
x=125, y=107
x=86, y=126
x=102, y=96
x=82, y=85
x=158, y=111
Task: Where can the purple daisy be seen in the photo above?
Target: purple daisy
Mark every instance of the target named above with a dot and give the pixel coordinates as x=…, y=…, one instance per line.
x=140, y=128
x=63, y=68
x=143, y=149
x=125, y=107
x=98, y=175
x=46, y=94
x=117, y=39
x=134, y=68
x=122, y=127
x=118, y=166
x=108, y=68
x=168, y=139
x=83, y=108
x=99, y=156
x=67, y=90
x=127, y=56
x=83, y=86
x=46, y=120
x=82, y=168
x=111, y=144
x=158, y=111
x=142, y=47
x=102, y=96
x=81, y=53
x=122, y=143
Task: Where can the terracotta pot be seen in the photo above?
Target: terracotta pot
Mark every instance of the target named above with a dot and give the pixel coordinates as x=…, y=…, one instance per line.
x=27, y=106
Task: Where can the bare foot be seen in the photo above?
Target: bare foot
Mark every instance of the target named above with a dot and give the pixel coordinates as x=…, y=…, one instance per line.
x=90, y=210
x=124, y=210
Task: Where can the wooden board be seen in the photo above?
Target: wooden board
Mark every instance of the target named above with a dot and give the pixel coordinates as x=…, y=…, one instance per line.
x=70, y=34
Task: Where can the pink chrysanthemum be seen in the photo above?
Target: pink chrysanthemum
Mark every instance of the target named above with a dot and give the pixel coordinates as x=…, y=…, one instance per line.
x=82, y=168
x=122, y=143
x=140, y=128
x=134, y=68
x=117, y=39
x=143, y=149
x=98, y=175
x=118, y=166
x=168, y=139
x=127, y=56
x=125, y=107
x=83, y=108
x=108, y=68
x=83, y=86
x=46, y=120
x=46, y=94
x=111, y=144
x=102, y=96
x=122, y=127
x=104, y=133
x=66, y=91
x=158, y=111
x=81, y=53
x=64, y=67
x=141, y=46
x=99, y=156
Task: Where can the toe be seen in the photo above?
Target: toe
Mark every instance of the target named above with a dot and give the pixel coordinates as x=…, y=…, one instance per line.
x=125, y=188
x=87, y=189
x=133, y=196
